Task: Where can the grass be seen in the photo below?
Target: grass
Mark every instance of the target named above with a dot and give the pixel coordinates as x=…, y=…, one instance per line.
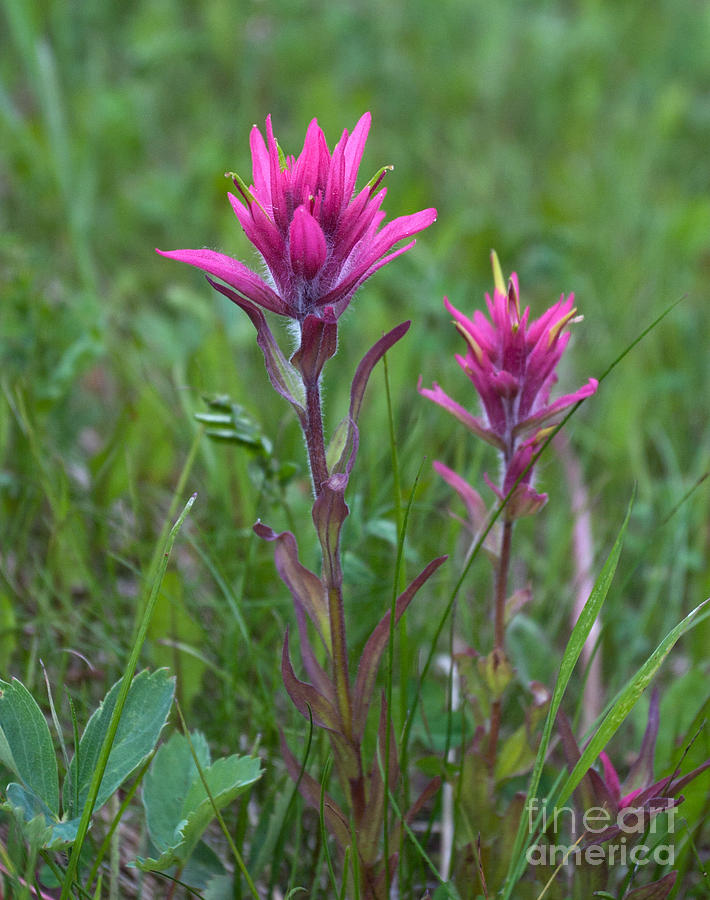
x=570, y=138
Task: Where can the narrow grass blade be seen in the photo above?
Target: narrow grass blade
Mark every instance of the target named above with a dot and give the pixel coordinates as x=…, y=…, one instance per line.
x=102, y=760
x=627, y=697
x=572, y=653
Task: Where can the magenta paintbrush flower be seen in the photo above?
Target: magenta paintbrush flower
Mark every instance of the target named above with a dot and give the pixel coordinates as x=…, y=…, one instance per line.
x=318, y=239
x=512, y=364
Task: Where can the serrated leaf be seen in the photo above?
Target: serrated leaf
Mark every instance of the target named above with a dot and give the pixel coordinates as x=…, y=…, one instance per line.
x=221, y=887
x=177, y=806
x=144, y=714
x=26, y=744
x=166, y=784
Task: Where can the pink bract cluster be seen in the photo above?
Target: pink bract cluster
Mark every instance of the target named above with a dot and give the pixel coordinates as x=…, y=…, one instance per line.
x=512, y=364
x=319, y=239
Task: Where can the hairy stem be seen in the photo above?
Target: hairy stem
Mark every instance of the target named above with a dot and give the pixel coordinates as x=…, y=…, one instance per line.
x=341, y=677
x=315, y=441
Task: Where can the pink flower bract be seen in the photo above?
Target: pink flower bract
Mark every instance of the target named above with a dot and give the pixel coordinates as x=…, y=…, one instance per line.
x=512, y=364
x=318, y=239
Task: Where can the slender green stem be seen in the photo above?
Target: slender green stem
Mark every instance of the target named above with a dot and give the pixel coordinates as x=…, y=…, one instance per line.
x=218, y=815
x=105, y=844
x=102, y=760
x=499, y=637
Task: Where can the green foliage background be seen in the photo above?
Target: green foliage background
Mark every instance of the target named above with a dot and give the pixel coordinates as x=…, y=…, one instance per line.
x=572, y=137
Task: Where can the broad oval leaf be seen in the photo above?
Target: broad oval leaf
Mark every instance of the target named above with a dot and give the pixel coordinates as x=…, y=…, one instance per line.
x=26, y=744
x=144, y=714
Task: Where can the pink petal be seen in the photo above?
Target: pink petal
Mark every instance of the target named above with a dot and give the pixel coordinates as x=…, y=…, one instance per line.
x=475, y=506
x=535, y=422
x=354, y=148
x=307, y=246
x=308, y=163
x=611, y=778
x=232, y=272
x=277, y=180
x=260, y=167
x=400, y=228
x=475, y=425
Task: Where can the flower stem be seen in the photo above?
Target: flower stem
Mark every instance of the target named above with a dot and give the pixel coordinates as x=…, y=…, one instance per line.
x=315, y=441
x=499, y=636
x=340, y=658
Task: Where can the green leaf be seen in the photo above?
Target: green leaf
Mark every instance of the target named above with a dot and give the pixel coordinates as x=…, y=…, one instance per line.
x=577, y=640
x=147, y=706
x=177, y=806
x=39, y=826
x=626, y=699
x=221, y=887
x=26, y=744
x=26, y=805
x=167, y=783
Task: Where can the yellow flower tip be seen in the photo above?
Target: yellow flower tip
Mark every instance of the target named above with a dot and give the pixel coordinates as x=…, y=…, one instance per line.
x=475, y=349
x=498, y=279
x=543, y=433
x=558, y=326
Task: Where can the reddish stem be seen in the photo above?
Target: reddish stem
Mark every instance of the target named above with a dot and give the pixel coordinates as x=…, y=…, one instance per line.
x=315, y=441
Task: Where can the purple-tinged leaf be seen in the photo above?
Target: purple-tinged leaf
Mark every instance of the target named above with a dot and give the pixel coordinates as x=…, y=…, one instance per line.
x=475, y=507
x=305, y=695
x=345, y=438
x=282, y=375
x=375, y=646
x=310, y=790
x=305, y=587
x=641, y=772
x=319, y=341
x=329, y=512
x=368, y=363
x=637, y=816
x=657, y=890
x=313, y=668
x=686, y=779
x=594, y=789
x=347, y=758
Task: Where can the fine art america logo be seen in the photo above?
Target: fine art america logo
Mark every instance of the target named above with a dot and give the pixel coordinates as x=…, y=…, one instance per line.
x=604, y=838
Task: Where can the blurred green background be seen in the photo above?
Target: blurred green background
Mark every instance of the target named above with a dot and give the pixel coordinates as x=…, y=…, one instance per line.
x=571, y=136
